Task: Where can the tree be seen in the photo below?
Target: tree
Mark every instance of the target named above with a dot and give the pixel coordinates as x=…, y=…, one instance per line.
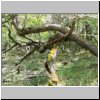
x=64, y=33
x=39, y=32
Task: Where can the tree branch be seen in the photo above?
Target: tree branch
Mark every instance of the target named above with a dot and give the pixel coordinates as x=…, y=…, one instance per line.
x=43, y=28
x=10, y=48
x=26, y=55
x=92, y=48
x=85, y=44
x=9, y=34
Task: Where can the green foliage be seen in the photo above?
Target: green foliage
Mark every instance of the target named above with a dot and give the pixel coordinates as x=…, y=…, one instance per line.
x=39, y=81
x=80, y=72
x=32, y=19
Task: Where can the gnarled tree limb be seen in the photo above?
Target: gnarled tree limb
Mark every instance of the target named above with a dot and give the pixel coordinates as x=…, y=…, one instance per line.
x=66, y=34
x=26, y=55
x=85, y=44
x=43, y=28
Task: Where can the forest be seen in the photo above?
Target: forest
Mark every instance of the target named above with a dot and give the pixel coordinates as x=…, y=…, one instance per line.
x=49, y=49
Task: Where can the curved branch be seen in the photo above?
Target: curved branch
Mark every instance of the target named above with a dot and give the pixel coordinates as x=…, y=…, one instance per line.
x=66, y=34
x=85, y=44
x=92, y=48
x=47, y=27
x=43, y=28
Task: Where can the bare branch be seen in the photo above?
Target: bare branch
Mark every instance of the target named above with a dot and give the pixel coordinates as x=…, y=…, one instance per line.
x=34, y=43
x=60, y=38
x=43, y=28
x=10, y=48
x=27, y=38
x=26, y=55
x=9, y=34
x=85, y=44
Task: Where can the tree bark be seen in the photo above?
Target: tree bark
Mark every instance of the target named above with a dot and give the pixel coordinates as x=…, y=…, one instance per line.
x=88, y=46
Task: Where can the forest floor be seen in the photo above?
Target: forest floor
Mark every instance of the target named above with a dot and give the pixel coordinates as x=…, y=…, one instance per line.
x=80, y=71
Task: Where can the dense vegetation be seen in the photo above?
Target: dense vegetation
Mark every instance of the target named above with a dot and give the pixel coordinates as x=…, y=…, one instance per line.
x=28, y=38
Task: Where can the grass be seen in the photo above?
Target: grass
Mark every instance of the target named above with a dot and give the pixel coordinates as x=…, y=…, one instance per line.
x=82, y=70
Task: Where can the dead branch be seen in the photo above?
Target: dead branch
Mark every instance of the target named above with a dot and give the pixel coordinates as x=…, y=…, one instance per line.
x=9, y=34
x=26, y=55
x=10, y=48
x=43, y=28
x=85, y=44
